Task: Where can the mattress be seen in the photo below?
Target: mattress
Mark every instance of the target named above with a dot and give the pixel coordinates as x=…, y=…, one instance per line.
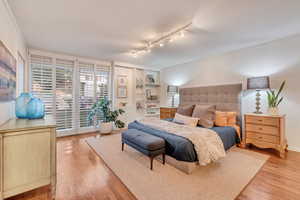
x=180, y=147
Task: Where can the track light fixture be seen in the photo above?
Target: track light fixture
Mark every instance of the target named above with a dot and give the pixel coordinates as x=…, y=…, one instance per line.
x=170, y=37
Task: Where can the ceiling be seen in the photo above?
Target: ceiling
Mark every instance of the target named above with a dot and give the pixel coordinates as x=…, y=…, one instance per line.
x=108, y=30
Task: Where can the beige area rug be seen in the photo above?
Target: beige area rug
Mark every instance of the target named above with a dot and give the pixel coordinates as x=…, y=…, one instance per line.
x=219, y=181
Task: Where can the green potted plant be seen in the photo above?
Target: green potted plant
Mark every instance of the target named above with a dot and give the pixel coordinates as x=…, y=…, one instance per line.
x=108, y=117
x=274, y=100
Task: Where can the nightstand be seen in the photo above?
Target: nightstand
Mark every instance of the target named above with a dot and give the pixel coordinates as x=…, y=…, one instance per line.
x=266, y=131
x=167, y=112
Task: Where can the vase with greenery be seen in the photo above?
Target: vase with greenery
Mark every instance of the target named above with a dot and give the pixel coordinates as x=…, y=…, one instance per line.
x=274, y=99
x=108, y=117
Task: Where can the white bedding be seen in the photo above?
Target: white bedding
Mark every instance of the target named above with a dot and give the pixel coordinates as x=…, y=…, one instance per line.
x=207, y=143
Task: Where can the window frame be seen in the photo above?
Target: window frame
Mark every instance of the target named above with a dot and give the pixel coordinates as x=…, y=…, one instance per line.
x=76, y=87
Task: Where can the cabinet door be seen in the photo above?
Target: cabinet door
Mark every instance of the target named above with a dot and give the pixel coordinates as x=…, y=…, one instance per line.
x=26, y=160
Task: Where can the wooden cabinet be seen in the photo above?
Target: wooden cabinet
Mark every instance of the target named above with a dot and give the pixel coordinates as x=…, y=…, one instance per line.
x=266, y=131
x=167, y=112
x=28, y=156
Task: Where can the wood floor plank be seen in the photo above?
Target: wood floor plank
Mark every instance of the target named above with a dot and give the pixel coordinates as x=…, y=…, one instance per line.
x=82, y=175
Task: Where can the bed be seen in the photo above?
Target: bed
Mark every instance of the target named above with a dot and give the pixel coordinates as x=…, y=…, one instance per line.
x=179, y=150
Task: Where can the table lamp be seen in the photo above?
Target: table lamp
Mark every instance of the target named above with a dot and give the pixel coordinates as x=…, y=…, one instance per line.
x=172, y=91
x=258, y=84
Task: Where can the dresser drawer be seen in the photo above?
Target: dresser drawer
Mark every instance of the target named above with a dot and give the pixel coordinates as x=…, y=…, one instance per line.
x=262, y=129
x=263, y=120
x=262, y=137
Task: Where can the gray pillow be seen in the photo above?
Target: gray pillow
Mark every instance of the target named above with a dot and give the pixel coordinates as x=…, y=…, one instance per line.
x=206, y=114
x=185, y=110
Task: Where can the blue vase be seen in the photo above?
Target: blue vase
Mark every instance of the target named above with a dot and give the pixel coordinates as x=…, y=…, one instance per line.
x=35, y=109
x=21, y=104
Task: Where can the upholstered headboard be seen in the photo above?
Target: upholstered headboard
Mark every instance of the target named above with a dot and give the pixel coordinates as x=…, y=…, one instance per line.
x=225, y=97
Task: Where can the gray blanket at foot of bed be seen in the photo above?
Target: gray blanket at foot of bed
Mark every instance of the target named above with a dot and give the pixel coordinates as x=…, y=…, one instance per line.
x=181, y=148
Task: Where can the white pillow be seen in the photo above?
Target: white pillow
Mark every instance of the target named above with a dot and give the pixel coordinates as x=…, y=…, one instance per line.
x=190, y=121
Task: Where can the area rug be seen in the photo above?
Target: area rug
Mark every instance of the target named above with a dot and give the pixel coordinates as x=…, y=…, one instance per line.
x=223, y=180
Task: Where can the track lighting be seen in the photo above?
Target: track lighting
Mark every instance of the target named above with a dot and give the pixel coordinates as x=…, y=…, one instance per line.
x=181, y=34
x=170, y=37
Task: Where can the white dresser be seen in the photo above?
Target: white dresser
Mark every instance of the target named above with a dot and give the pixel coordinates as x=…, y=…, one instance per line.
x=27, y=156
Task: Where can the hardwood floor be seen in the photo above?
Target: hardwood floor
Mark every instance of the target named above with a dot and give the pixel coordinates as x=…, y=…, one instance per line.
x=82, y=175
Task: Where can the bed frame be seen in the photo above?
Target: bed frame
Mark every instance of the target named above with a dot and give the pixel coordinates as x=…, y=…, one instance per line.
x=225, y=97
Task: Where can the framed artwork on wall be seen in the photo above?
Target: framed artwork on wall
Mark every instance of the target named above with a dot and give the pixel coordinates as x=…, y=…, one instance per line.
x=8, y=66
x=122, y=81
x=122, y=92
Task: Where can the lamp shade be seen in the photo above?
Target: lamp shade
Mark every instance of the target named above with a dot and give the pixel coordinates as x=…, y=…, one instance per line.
x=258, y=83
x=172, y=89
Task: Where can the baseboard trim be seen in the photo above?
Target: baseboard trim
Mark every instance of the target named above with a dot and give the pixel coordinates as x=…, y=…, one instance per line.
x=294, y=148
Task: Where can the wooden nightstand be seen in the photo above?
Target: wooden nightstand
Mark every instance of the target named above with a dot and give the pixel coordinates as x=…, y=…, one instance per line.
x=266, y=131
x=167, y=112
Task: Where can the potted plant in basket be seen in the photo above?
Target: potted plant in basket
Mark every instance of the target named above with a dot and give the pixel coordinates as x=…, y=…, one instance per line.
x=108, y=117
x=274, y=100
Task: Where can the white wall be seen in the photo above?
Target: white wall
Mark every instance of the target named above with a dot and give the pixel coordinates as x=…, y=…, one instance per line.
x=12, y=39
x=130, y=111
x=279, y=59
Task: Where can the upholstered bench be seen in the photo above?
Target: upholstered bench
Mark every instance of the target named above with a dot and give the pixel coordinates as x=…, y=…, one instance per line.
x=145, y=143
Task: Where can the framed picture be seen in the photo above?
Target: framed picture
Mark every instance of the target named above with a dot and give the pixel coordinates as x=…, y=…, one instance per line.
x=8, y=65
x=122, y=81
x=122, y=92
x=150, y=79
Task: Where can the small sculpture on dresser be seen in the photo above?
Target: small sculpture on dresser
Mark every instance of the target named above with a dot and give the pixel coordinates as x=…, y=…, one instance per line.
x=29, y=107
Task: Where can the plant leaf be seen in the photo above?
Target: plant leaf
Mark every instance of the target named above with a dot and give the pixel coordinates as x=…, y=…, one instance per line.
x=269, y=99
x=280, y=100
x=280, y=89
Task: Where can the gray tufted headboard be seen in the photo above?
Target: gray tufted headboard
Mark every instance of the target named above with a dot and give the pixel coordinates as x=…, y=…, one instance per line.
x=225, y=97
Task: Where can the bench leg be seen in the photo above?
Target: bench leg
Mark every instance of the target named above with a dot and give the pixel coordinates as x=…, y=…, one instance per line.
x=122, y=146
x=151, y=162
x=164, y=158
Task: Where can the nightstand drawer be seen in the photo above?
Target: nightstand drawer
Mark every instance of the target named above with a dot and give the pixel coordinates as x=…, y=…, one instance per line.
x=262, y=129
x=266, y=131
x=262, y=137
x=262, y=120
x=166, y=112
x=261, y=144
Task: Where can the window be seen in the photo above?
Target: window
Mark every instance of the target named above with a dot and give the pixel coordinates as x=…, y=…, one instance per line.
x=102, y=76
x=42, y=80
x=86, y=92
x=64, y=94
x=69, y=88
x=94, y=82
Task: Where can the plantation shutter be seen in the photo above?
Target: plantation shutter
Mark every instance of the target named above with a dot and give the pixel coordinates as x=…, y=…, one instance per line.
x=102, y=75
x=64, y=94
x=42, y=80
x=69, y=88
x=86, y=92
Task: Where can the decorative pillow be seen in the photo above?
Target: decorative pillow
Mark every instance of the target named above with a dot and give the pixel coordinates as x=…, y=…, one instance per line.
x=221, y=118
x=190, y=121
x=206, y=114
x=231, y=118
x=185, y=110
x=225, y=118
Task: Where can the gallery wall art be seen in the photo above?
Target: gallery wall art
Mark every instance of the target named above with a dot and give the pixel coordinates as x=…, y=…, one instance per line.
x=122, y=86
x=8, y=65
